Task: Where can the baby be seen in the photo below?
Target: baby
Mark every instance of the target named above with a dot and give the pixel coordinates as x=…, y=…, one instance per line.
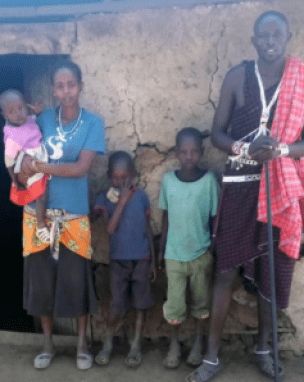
x=22, y=135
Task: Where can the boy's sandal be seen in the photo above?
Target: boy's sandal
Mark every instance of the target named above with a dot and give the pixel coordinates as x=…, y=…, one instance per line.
x=103, y=357
x=134, y=358
x=43, y=360
x=195, y=358
x=173, y=360
x=265, y=363
x=84, y=361
x=205, y=372
x=43, y=234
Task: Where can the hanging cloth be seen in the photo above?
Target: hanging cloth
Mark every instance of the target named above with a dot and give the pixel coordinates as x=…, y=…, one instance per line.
x=287, y=174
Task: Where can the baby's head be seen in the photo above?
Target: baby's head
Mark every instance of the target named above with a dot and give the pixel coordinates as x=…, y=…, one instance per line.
x=189, y=149
x=13, y=107
x=121, y=168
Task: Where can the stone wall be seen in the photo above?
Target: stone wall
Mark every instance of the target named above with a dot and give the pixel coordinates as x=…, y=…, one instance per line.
x=150, y=73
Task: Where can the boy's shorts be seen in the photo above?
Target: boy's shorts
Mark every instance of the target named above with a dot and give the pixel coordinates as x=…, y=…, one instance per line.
x=130, y=285
x=198, y=271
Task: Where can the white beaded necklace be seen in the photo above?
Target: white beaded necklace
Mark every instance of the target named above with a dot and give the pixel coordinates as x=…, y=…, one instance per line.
x=265, y=108
x=64, y=134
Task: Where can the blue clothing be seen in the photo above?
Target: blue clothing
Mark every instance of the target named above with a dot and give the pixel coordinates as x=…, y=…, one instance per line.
x=130, y=240
x=70, y=194
x=190, y=206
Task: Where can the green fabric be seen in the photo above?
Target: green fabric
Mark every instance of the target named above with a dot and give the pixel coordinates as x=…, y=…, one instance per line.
x=190, y=206
x=198, y=272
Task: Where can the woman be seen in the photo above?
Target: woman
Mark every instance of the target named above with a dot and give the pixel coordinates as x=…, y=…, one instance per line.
x=58, y=279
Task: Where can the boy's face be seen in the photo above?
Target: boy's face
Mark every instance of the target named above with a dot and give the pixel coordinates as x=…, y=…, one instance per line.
x=120, y=175
x=189, y=153
x=15, y=111
x=271, y=38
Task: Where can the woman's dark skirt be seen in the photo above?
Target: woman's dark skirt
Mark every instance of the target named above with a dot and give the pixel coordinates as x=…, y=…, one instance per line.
x=62, y=288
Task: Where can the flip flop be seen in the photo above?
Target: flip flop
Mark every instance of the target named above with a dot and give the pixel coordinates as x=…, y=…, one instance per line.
x=84, y=361
x=43, y=360
x=134, y=355
x=103, y=357
x=173, y=360
x=205, y=372
x=265, y=363
x=43, y=234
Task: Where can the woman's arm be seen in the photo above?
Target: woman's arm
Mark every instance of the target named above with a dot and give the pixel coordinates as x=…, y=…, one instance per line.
x=64, y=170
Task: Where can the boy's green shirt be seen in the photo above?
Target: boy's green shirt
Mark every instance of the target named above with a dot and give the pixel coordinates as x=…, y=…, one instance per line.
x=190, y=207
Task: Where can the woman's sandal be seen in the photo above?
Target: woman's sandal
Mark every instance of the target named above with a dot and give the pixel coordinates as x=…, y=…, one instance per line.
x=43, y=360
x=134, y=358
x=43, y=234
x=205, y=372
x=84, y=361
x=103, y=357
x=265, y=363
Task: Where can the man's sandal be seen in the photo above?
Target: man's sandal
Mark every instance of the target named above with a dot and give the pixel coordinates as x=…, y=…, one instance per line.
x=84, y=361
x=265, y=362
x=43, y=234
x=205, y=372
x=103, y=357
x=43, y=360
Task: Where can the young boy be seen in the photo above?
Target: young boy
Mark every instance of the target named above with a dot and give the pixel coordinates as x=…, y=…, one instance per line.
x=126, y=209
x=189, y=198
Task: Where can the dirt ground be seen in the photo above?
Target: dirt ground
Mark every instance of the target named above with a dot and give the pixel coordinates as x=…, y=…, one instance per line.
x=16, y=366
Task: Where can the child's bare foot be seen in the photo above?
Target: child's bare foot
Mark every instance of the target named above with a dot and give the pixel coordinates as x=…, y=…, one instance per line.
x=134, y=357
x=195, y=357
x=172, y=361
x=103, y=356
x=42, y=232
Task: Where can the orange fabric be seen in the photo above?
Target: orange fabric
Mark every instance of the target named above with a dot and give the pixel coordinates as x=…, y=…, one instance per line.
x=24, y=197
x=76, y=236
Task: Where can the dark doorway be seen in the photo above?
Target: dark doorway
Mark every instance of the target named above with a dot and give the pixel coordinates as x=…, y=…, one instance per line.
x=30, y=74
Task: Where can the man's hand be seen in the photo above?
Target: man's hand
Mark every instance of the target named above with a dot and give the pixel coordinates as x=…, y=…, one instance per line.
x=263, y=149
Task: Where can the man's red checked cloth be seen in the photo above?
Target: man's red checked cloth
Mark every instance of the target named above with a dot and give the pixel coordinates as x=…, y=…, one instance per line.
x=287, y=174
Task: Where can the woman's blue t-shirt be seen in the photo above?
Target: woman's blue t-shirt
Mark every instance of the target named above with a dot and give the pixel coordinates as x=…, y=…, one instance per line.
x=70, y=194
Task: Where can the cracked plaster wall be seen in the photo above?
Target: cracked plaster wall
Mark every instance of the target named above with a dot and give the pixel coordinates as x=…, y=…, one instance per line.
x=150, y=73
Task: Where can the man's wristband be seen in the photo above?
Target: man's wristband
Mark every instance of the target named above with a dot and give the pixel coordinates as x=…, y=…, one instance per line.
x=283, y=150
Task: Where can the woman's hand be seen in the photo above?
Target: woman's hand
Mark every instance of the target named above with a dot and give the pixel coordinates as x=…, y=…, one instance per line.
x=263, y=149
x=27, y=166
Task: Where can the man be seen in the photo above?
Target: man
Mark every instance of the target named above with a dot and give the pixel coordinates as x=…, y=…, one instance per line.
x=257, y=99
